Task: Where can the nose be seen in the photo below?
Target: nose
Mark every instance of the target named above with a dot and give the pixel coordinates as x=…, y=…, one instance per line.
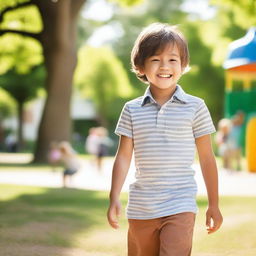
x=164, y=65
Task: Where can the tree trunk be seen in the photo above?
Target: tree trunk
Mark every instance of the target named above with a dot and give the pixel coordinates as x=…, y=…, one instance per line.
x=58, y=42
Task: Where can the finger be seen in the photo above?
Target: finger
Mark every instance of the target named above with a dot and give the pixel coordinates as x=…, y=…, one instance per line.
x=112, y=219
x=214, y=228
x=211, y=230
x=114, y=224
x=208, y=221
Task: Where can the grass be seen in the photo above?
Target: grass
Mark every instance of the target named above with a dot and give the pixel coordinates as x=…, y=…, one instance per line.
x=66, y=222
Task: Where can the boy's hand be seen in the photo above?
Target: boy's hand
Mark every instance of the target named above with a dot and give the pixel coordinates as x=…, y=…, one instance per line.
x=114, y=212
x=214, y=219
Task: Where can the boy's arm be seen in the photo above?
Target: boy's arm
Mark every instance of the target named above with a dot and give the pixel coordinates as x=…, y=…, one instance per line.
x=209, y=169
x=120, y=170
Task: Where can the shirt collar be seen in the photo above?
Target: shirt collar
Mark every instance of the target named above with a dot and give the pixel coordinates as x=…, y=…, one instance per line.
x=147, y=97
x=179, y=96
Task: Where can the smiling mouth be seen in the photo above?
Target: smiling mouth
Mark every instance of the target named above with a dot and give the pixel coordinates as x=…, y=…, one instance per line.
x=164, y=75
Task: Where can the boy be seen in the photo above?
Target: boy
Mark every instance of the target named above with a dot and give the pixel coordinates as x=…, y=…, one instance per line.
x=163, y=127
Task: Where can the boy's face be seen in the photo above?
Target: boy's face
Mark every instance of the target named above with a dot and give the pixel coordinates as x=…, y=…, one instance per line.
x=163, y=69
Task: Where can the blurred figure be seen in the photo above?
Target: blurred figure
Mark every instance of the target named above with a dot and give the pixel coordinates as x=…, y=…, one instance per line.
x=104, y=144
x=70, y=161
x=92, y=142
x=54, y=155
x=92, y=145
x=222, y=135
x=234, y=139
x=11, y=143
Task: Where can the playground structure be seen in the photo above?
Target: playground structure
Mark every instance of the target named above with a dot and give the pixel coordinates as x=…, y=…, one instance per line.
x=240, y=90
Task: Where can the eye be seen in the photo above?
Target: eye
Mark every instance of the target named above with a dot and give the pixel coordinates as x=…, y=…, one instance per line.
x=173, y=60
x=155, y=60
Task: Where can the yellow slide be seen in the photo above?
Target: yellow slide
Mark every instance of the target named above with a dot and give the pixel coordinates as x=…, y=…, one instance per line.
x=251, y=144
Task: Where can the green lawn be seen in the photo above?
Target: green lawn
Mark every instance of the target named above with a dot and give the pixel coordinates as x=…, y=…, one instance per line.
x=69, y=222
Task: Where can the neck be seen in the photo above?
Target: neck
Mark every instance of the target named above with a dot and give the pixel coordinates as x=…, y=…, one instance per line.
x=161, y=96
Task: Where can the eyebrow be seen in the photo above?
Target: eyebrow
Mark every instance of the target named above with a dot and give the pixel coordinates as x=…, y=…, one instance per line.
x=174, y=54
x=171, y=54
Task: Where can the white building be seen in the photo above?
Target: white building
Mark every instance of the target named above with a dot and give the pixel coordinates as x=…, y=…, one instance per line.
x=80, y=109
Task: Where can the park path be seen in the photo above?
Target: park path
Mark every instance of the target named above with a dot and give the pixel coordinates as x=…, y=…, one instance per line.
x=230, y=183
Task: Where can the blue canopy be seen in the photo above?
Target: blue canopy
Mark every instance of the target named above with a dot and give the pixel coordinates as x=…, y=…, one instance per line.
x=242, y=51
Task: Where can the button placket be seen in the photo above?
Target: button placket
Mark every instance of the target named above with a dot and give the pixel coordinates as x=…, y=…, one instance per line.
x=160, y=119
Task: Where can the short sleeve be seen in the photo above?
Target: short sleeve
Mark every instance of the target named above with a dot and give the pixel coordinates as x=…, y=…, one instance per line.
x=124, y=125
x=202, y=123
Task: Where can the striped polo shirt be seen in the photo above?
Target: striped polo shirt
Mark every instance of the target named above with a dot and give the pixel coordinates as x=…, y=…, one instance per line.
x=164, y=150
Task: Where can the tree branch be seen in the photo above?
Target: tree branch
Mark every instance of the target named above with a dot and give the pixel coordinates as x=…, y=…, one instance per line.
x=11, y=8
x=36, y=36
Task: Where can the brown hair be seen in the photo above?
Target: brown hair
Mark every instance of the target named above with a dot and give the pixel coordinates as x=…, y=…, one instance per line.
x=153, y=38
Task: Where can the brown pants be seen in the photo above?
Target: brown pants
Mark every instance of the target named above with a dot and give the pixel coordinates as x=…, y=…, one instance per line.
x=166, y=236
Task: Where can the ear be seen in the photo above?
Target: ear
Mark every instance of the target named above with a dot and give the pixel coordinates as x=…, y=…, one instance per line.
x=141, y=71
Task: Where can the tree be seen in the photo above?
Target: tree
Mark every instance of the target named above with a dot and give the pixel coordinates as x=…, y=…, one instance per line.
x=58, y=43
x=104, y=81
x=22, y=87
x=6, y=105
x=57, y=37
x=243, y=12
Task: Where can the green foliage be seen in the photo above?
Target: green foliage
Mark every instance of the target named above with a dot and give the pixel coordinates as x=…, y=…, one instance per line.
x=23, y=87
x=244, y=12
x=7, y=105
x=127, y=2
x=4, y=3
x=101, y=77
x=24, y=19
x=204, y=79
x=19, y=51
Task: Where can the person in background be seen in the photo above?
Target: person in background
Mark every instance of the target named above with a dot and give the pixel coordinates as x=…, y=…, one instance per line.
x=11, y=142
x=70, y=161
x=92, y=144
x=234, y=139
x=104, y=143
x=54, y=155
x=221, y=139
x=92, y=141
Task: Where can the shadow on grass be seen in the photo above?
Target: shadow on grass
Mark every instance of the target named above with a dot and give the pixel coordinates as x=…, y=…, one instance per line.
x=50, y=217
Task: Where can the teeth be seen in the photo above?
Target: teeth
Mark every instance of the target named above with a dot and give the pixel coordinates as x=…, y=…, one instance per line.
x=165, y=76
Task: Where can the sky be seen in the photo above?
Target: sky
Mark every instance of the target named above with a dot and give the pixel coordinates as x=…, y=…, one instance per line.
x=102, y=10
x=98, y=10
